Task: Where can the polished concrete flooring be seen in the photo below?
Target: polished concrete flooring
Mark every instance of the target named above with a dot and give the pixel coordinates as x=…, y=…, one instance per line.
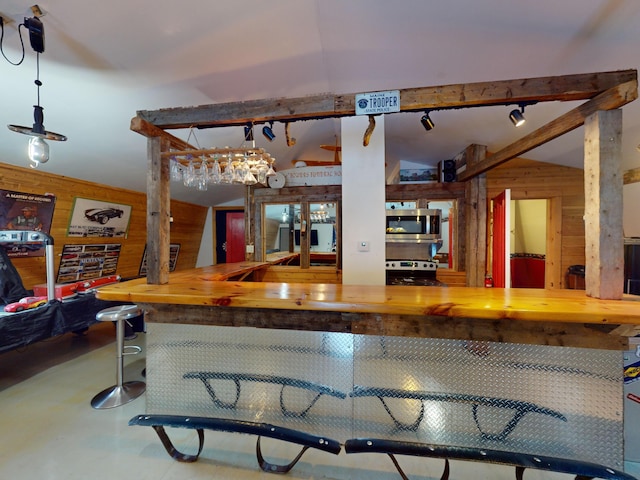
x=48, y=429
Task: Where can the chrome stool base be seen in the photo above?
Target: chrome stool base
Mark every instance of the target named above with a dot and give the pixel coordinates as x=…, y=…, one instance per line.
x=122, y=392
x=118, y=395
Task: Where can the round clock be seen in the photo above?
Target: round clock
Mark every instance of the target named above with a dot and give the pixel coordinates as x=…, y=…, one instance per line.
x=277, y=180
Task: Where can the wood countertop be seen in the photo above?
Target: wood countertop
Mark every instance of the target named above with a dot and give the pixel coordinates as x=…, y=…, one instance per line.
x=202, y=287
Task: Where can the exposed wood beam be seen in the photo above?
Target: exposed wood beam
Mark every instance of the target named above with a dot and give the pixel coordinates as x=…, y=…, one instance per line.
x=631, y=176
x=149, y=130
x=611, y=99
x=526, y=90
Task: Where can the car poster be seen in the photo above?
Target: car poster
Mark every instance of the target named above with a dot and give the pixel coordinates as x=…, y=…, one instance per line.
x=93, y=218
x=26, y=211
x=174, y=249
x=85, y=262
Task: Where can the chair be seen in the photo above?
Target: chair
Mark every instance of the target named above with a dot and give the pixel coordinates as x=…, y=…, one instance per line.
x=121, y=392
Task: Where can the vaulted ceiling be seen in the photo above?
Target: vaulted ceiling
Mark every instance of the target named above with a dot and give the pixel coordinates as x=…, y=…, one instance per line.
x=105, y=61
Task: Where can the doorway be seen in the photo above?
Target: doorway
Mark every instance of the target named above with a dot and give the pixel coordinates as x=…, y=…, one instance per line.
x=519, y=242
x=229, y=236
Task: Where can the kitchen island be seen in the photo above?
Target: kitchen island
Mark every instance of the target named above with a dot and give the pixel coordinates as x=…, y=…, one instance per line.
x=518, y=372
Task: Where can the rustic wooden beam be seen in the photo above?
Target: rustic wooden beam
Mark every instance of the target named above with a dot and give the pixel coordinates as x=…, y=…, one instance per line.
x=611, y=99
x=148, y=130
x=475, y=245
x=631, y=176
x=603, y=205
x=158, y=212
x=525, y=90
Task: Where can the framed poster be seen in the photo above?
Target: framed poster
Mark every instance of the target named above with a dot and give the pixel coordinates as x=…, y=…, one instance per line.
x=26, y=211
x=84, y=262
x=93, y=218
x=174, y=248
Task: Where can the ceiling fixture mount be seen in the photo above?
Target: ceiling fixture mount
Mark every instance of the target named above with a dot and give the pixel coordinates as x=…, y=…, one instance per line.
x=517, y=116
x=38, y=149
x=426, y=122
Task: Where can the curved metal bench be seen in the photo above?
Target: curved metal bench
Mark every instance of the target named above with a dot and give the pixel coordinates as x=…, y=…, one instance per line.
x=521, y=408
x=521, y=461
x=200, y=424
x=206, y=377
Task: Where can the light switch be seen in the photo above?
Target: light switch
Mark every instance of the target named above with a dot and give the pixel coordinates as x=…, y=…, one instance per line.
x=363, y=246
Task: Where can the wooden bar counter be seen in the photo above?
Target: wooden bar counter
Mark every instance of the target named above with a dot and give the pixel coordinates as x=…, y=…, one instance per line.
x=533, y=316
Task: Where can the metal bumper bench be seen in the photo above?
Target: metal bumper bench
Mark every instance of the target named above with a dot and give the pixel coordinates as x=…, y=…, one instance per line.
x=520, y=408
x=158, y=422
x=521, y=461
x=206, y=378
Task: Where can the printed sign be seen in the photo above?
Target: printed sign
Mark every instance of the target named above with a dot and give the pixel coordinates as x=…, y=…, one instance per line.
x=307, y=176
x=84, y=262
x=25, y=211
x=378, y=102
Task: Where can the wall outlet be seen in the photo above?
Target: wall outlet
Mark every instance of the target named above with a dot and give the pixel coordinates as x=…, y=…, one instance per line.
x=249, y=249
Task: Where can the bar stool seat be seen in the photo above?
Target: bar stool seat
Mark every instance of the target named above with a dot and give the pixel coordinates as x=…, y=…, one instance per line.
x=121, y=392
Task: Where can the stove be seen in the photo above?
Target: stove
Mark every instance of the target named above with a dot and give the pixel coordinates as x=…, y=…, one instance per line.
x=412, y=272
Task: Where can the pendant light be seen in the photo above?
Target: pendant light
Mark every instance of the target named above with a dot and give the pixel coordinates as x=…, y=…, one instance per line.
x=38, y=150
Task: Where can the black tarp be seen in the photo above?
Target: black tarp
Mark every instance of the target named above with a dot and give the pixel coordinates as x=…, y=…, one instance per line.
x=55, y=318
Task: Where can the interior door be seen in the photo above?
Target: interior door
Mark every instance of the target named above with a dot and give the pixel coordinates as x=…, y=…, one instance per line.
x=235, y=237
x=501, y=269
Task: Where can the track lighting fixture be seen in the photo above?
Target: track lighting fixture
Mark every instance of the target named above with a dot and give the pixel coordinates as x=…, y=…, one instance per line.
x=517, y=116
x=268, y=132
x=426, y=121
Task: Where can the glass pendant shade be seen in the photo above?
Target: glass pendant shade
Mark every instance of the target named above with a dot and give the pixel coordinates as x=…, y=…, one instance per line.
x=38, y=151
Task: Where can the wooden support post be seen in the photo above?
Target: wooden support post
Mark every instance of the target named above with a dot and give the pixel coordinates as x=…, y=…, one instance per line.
x=603, y=205
x=476, y=219
x=158, y=212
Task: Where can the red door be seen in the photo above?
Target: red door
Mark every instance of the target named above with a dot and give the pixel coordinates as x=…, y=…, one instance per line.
x=235, y=237
x=501, y=270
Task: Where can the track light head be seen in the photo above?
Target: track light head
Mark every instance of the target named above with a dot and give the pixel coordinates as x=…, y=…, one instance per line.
x=426, y=122
x=517, y=116
x=268, y=132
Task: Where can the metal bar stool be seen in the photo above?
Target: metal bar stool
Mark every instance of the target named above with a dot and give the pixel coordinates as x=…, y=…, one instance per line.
x=120, y=393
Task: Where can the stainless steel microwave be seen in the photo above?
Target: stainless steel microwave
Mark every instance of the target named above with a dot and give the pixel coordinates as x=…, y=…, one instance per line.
x=413, y=226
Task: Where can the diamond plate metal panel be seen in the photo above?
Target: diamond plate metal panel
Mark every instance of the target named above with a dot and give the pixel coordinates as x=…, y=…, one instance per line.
x=521, y=398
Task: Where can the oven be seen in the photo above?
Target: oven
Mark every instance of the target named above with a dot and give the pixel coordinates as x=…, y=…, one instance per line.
x=421, y=273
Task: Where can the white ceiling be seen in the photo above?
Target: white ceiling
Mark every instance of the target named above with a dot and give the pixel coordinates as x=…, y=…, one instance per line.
x=106, y=60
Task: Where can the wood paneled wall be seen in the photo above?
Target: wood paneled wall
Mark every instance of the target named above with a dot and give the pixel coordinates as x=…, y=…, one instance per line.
x=564, y=188
x=187, y=227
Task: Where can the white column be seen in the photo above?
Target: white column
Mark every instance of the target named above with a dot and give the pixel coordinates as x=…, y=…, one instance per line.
x=363, y=202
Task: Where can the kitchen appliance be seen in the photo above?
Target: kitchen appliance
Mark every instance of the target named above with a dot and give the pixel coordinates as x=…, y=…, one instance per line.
x=412, y=272
x=413, y=226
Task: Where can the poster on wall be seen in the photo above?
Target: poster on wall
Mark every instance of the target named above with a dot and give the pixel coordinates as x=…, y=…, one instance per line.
x=84, y=262
x=174, y=248
x=26, y=211
x=93, y=218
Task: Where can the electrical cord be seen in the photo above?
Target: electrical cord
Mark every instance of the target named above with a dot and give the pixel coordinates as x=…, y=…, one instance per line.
x=2, y=39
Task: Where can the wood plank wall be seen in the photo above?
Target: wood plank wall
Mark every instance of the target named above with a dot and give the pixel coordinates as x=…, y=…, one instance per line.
x=564, y=186
x=186, y=229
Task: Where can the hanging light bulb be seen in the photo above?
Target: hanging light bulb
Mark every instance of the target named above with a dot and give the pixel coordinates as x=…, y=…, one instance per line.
x=38, y=151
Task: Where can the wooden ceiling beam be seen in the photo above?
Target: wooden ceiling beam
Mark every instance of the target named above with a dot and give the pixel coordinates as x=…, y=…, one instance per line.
x=526, y=90
x=148, y=130
x=614, y=97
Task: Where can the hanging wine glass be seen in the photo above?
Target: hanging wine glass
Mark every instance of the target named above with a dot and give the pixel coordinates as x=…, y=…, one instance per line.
x=175, y=170
x=189, y=176
x=214, y=174
x=203, y=175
